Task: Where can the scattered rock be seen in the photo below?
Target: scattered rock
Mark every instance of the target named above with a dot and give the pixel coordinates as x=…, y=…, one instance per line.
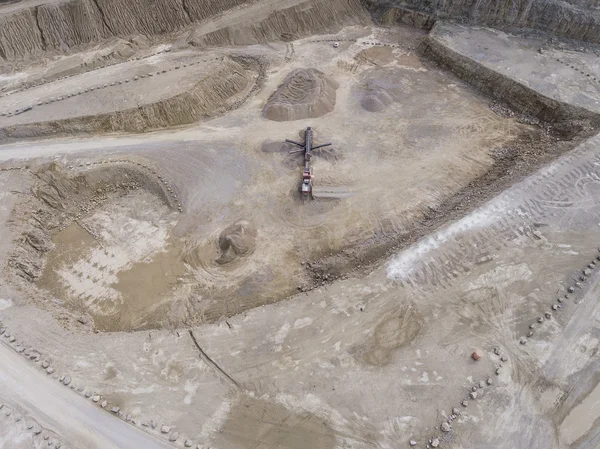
x=489, y=381
x=475, y=356
x=188, y=443
x=497, y=351
x=504, y=358
x=455, y=411
x=49, y=370
x=548, y=315
x=173, y=437
x=103, y=404
x=523, y=340
x=571, y=289
x=115, y=409
x=473, y=395
x=165, y=429
x=67, y=380
x=95, y=398
x=82, y=320
x=464, y=403
x=445, y=427
x=412, y=442
x=481, y=384
x=540, y=319
x=530, y=334
x=435, y=442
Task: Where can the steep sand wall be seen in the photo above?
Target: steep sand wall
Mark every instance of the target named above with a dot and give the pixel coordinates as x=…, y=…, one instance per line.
x=216, y=92
x=296, y=21
x=579, y=21
x=63, y=25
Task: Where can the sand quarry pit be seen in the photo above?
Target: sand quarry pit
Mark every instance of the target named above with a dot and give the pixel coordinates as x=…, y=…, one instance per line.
x=164, y=283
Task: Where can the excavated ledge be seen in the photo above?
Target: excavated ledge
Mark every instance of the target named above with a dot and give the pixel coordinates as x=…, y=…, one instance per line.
x=288, y=23
x=513, y=72
x=577, y=19
x=223, y=87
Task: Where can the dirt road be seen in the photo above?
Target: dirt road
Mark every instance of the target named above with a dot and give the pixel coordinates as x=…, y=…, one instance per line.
x=76, y=420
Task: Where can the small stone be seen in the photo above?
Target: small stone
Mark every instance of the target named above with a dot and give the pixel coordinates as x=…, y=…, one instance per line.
x=489, y=381
x=188, y=443
x=504, y=358
x=103, y=404
x=475, y=356
x=82, y=320
x=481, y=384
x=88, y=394
x=523, y=340
x=473, y=395
x=445, y=427
x=29, y=426
x=464, y=403
x=115, y=409
x=173, y=437
x=153, y=424
x=554, y=307
x=128, y=417
x=540, y=319
x=530, y=334
x=577, y=284
x=559, y=300
x=435, y=442
x=548, y=315
x=46, y=437
x=587, y=271
x=165, y=429
x=12, y=339
x=455, y=411
x=497, y=371
x=473, y=388
x=411, y=442
x=67, y=380
x=37, y=431
x=571, y=289
x=49, y=370
x=95, y=398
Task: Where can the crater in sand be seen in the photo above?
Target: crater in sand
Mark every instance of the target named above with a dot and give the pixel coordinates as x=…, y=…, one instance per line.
x=125, y=275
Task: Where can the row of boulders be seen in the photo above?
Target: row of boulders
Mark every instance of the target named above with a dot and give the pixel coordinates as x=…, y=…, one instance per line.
x=45, y=364
x=50, y=439
x=176, y=66
x=41, y=83
x=560, y=301
x=376, y=44
x=577, y=69
x=477, y=390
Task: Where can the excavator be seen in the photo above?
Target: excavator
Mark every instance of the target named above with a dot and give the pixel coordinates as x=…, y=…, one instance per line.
x=307, y=174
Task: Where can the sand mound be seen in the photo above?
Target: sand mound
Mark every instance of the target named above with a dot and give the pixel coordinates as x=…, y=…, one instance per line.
x=376, y=100
x=305, y=93
x=237, y=240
